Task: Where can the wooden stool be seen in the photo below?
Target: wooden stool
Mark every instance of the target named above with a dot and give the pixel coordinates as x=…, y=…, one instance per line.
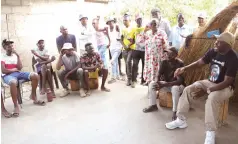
x=93, y=79
x=165, y=99
x=74, y=85
x=223, y=113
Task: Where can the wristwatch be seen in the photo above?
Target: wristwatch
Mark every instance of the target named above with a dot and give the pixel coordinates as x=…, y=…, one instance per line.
x=208, y=91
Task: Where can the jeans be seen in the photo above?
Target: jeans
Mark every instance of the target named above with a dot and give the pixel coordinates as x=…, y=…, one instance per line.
x=102, y=50
x=137, y=56
x=127, y=55
x=115, y=53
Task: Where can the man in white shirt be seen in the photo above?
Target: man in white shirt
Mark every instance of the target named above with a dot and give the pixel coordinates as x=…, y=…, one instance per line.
x=175, y=38
x=85, y=33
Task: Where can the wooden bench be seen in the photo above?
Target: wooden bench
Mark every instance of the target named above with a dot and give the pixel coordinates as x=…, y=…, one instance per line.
x=165, y=100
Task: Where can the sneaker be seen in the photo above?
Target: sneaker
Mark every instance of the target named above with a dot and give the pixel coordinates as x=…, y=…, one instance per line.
x=210, y=137
x=65, y=93
x=128, y=82
x=133, y=84
x=178, y=123
x=82, y=93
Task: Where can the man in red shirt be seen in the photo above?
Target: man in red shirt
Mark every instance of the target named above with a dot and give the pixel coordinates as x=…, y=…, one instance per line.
x=11, y=72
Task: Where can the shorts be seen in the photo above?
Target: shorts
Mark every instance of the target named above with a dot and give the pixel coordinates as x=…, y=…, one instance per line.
x=16, y=76
x=102, y=50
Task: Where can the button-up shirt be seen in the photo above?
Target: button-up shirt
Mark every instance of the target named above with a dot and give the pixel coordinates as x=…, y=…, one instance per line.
x=85, y=36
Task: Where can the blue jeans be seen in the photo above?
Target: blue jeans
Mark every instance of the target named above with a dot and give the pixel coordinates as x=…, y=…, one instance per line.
x=115, y=53
x=102, y=49
x=15, y=76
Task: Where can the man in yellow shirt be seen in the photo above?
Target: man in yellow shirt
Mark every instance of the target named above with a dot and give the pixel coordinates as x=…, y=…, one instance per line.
x=139, y=52
x=128, y=46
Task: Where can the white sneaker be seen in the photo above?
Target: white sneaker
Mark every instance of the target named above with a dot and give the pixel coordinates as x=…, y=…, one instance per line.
x=210, y=137
x=65, y=93
x=82, y=93
x=178, y=123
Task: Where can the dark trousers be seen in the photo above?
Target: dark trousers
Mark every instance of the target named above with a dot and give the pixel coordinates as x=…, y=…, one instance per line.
x=137, y=56
x=127, y=55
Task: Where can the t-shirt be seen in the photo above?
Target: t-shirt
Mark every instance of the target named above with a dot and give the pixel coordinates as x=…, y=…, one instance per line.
x=92, y=60
x=221, y=65
x=61, y=40
x=115, y=36
x=138, y=35
x=71, y=62
x=10, y=62
x=127, y=32
x=44, y=52
x=167, y=70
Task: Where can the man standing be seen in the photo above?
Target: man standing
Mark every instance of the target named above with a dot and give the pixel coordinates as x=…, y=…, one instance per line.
x=43, y=66
x=85, y=33
x=128, y=46
x=218, y=87
x=202, y=19
x=11, y=66
x=167, y=82
x=179, y=32
x=65, y=38
x=73, y=71
x=139, y=52
x=163, y=24
x=90, y=62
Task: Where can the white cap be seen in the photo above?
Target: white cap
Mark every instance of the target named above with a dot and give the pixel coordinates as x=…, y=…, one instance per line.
x=202, y=15
x=226, y=37
x=67, y=46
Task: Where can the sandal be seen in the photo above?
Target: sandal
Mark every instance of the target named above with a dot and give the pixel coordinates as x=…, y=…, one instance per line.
x=15, y=114
x=39, y=102
x=150, y=109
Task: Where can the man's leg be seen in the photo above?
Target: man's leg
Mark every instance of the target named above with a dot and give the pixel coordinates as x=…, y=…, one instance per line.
x=81, y=82
x=176, y=92
x=129, y=66
x=142, y=55
x=43, y=75
x=184, y=104
x=50, y=79
x=103, y=50
x=61, y=75
x=86, y=80
x=5, y=113
x=152, y=98
x=104, y=78
x=136, y=59
x=119, y=64
x=124, y=55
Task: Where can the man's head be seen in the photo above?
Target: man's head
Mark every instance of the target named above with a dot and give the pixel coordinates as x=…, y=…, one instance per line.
x=4, y=44
x=41, y=44
x=202, y=18
x=64, y=30
x=89, y=48
x=95, y=23
x=154, y=24
x=83, y=19
x=224, y=42
x=180, y=20
x=67, y=49
x=126, y=19
x=155, y=13
x=110, y=22
x=172, y=53
x=138, y=20
x=9, y=47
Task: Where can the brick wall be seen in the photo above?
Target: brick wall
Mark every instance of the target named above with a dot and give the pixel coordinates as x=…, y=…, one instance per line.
x=26, y=21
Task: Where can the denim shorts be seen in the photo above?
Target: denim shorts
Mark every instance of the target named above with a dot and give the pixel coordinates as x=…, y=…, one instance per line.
x=16, y=76
x=102, y=50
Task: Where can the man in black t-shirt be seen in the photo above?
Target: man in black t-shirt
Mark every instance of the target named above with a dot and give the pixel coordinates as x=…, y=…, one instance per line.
x=167, y=82
x=219, y=86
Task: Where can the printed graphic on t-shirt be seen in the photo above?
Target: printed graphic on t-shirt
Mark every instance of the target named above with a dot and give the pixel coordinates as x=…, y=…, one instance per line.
x=215, y=72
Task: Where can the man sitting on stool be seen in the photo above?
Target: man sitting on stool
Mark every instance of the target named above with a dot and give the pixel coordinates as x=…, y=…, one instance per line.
x=73, y=71
x=167, y=82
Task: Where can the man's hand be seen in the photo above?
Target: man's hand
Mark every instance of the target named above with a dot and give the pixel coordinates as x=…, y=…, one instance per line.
x=162, y=84
x=14, y=51
x=178, y=71
x=66, y=76
x=156, y=87
x=210, y=89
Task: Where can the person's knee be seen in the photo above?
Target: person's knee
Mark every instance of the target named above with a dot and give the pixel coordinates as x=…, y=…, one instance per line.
x=175, y=89
x=34, y=76
x=85, y=72
x=152, y=84
x=13, y=83
x=80, y=71
x=48, y=66
x=43, y=68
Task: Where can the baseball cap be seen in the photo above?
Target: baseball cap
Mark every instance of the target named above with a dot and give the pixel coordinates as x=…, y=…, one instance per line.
x=155, y=10
x=82, y=16
x=172, y=49
x=226, y=37
x=67, y=46
x=138, y=16
x=202, y=15
x=110, y=19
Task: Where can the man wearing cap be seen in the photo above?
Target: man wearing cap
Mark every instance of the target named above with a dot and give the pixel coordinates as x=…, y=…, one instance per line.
x=11, y=66
x=65, y=38
x=128, y=46
x=202, y=19
x=178, y=33
x=85, y=33
x=167, y=82
x=73, y=71
x=163, y=24
x=218, y=87
x=139, y=52
x=43, y=66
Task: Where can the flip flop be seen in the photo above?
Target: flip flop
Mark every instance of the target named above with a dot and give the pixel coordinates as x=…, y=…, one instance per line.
x=14, y=114
x=39, y=102
x=105, y=89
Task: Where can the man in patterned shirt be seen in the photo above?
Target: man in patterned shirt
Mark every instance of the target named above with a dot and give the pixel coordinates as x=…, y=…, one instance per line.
x=90, y=62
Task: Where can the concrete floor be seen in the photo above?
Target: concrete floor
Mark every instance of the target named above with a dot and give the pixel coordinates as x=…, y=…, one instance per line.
x=105, y=118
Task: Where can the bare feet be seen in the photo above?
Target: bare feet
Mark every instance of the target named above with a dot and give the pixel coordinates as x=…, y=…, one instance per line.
x=105, y=89
x=6, y=114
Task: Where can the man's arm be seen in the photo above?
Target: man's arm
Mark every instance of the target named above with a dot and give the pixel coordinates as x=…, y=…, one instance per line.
x=74, y=43
x=59, y=47
x=88, y=68
x=7, y=71
x=44, y=58
x=19, y=63
x=106, y=29
x=195, y=64
x=59, y=62
x=226, y=83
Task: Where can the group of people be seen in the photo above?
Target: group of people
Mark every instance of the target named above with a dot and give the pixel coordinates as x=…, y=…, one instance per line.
x=155, y=44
